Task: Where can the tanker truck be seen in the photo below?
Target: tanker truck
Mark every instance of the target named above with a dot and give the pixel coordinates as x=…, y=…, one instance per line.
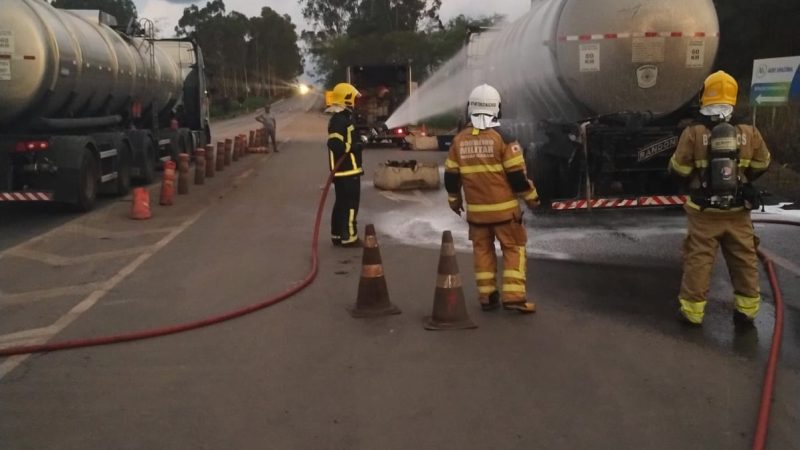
x=598, y=92
x=86, y=108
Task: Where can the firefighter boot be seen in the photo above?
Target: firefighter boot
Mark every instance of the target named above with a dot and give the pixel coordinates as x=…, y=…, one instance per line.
x=520, y=306
x=492, y=303
x=742, y=322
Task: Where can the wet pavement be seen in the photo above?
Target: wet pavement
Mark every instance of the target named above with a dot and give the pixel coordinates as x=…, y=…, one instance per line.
x=602, y=364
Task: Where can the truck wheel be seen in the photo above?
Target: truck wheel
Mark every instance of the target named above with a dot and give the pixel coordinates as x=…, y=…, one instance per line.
x=124, y=170
x=87, y=183
x=184, y=143
x=543, y=168
x=175, y=149
x=149, y=164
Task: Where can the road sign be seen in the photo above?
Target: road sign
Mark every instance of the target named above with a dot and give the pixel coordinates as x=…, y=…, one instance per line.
x=776, y=81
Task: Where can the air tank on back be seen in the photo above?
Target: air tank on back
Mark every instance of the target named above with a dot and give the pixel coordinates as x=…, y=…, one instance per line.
x=63, y=64
x=565, y=60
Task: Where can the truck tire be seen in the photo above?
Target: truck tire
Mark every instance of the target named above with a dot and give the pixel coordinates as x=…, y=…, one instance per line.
x=87, y=182
x=184, y=142
x=543, y=169
x=124, y=170
x=149, y=164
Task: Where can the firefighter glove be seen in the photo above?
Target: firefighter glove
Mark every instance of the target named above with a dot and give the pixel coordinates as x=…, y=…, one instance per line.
x=533, y=204
x=456, y=204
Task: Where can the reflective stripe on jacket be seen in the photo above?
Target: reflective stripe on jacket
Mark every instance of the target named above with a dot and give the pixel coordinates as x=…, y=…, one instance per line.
x=340, y=143
x=490, y=167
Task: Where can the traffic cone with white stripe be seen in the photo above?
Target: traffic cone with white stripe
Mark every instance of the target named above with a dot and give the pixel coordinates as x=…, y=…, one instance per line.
x=167, y=184
x=373, y=296
x=140, y=208
x=449, y=308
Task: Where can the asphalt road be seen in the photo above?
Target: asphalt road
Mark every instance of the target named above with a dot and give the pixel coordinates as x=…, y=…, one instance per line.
x=602, y=364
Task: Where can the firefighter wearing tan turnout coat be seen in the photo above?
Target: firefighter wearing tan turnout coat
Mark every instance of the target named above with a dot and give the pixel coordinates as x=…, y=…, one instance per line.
x=718, y=161
x=488, y=164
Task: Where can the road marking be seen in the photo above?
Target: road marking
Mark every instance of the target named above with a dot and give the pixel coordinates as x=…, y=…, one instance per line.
x=60, y=261
x=19, y=298
x=24, y=335
x=41, y=335
x=100, y=233
x=96, y=295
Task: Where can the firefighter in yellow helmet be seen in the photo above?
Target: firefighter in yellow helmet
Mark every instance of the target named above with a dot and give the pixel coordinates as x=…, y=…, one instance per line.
x=487, y=163
x=718, y=161
x=343, y=144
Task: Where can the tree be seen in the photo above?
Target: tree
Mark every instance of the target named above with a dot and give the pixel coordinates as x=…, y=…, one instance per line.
x=122, y=10
x=246, y=54
x=426, y=49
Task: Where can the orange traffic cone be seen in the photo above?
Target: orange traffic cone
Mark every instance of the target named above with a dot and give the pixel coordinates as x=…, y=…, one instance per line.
x=228, y=149
x=210, y=161
x=220, y=163
x=373, y=296
x=183, y=174
x=199, y=166
x=243, y=146
x=167, y=184
x=449, y=309
x=140, y=208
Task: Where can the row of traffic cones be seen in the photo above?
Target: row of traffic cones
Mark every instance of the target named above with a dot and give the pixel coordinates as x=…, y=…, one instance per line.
x=258, y=141
x=208, y=161
x=449, y=308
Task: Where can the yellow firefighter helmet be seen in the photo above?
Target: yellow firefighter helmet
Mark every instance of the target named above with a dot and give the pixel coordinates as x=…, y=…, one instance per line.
x=344, y=94
x=719, y=89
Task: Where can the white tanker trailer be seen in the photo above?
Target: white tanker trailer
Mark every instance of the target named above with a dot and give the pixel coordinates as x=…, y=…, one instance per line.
x=85, y=108
x=598, y=91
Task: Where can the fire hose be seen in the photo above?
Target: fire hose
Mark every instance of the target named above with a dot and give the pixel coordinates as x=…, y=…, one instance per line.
x=768, y=386
x=762, y=424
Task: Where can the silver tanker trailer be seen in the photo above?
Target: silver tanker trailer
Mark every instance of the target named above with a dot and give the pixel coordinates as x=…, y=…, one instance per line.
x=84, y=107
x=598, y=91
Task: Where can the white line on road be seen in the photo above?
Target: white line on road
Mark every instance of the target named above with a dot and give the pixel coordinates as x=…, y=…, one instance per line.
x=43, y=294
x=100, y=233
x=58, y=260
x=42, y=335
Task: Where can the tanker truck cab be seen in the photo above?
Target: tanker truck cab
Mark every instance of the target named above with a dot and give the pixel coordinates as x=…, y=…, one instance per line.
x=185, y=126
x=87, y=108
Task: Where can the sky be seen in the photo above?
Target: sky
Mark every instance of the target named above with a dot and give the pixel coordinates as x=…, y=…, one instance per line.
x=167, y=12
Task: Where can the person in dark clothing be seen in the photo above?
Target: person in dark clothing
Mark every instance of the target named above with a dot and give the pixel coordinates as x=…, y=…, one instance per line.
x=344, y=159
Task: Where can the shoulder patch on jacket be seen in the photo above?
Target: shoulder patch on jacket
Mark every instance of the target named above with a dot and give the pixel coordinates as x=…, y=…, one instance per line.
x=507, y=136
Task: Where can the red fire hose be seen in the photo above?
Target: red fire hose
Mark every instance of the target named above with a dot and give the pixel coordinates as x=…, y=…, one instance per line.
x=157, y=332
x=762, y=424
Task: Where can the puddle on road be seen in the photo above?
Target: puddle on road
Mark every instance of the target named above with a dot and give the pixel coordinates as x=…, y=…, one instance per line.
x=418, y=218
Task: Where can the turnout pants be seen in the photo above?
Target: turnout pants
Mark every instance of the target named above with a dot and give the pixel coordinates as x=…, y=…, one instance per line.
x=733, y=232
x=344, y=228
x=512, y=237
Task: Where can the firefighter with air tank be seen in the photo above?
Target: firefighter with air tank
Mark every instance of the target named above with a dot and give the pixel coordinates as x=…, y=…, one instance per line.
x=718, y=161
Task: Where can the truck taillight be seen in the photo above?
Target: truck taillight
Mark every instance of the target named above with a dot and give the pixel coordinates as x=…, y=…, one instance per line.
x=32, y=146
x=399, y=131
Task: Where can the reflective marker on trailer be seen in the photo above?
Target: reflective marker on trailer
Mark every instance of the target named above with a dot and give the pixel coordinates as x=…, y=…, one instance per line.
x=26, y=196
x=609, y=203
